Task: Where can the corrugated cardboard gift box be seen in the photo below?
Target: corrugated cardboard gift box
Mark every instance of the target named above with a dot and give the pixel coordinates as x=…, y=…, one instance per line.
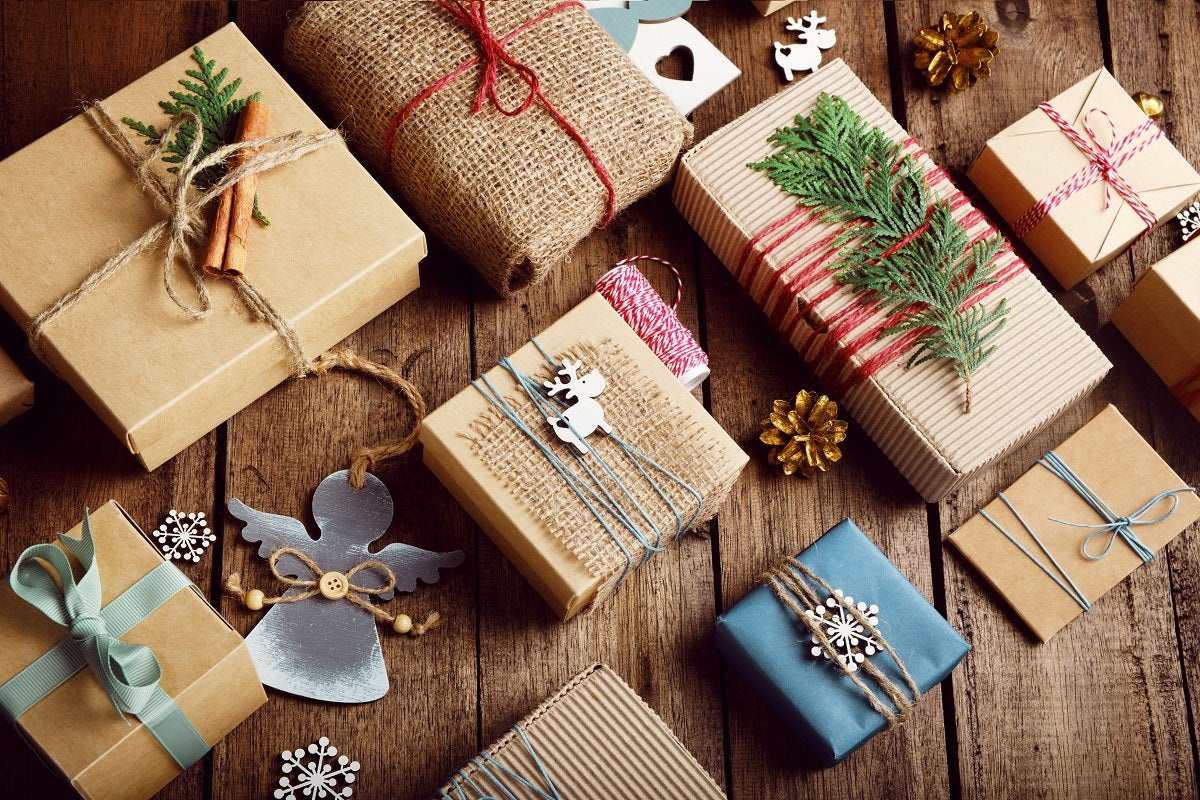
x=144, y=600
x=1161, y=318
x=1064, y=553
x=593, y=740
x=782, y=254
x=774, y=652
x=1026, y=163
x=338, y=252
x=16, y=391
x=665, y=467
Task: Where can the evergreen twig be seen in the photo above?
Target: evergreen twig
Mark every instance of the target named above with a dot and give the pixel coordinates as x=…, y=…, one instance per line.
x=214, y=104
x=909, y=258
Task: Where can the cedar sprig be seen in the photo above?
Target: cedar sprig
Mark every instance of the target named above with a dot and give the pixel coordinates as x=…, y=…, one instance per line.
x=909, y=258
x=215, y=105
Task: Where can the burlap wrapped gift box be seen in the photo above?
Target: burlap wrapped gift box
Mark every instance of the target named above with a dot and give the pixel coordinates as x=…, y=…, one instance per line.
x=1043, y=361
x=1124, y=472
x=338, y=252
x=206, y=669
x=1161, y=319
x=16, y=391
x=574, y=558
x=512, y=194
x=771, y=649
x=595, y=739
x=1029, y=159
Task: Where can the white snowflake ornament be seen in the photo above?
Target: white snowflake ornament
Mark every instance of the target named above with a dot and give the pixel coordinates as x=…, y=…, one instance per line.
x=324, y=775
x=852, y=641
x=184, y=537
x=1189, y=220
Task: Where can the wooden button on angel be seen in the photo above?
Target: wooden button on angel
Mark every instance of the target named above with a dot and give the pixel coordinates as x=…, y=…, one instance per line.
x=319, y=638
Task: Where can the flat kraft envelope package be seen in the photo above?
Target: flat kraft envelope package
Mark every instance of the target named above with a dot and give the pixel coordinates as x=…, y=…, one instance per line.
x=337, y=253
x=1043, y=361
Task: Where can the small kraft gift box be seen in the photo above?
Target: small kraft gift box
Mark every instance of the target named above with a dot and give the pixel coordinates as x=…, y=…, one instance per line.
x=114, y=668
x=513, y=129
x=593, y=740
x=582, y=456
x=1161, y=319
x=1083, y=518
x=16, y=391
x=93, y=263
x=1082, y=176
x=939, y=408
x=838, y=643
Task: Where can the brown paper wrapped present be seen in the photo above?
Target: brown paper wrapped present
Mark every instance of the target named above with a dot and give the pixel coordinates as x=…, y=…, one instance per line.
x=1064, y=553
x=1161, y=319
x=16, y=391
x=206, y=669
x=573, y=551
x=593, y=740
x=782, y=254
x=1067, y=143
x=338, y=252
x=512, y=194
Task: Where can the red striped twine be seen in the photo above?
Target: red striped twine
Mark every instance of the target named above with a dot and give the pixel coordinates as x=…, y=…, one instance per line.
x=835, y=339
x=472, y=14
x=636, y=301
x=1103, y=165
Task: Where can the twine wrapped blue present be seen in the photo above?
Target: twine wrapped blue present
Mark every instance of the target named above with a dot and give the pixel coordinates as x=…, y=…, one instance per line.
x=871, y=643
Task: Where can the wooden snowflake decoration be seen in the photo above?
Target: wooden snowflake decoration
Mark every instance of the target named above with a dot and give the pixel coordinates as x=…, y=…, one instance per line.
x=320, y=773
x=851, y=641
x=1189, y=220
x=184, y=537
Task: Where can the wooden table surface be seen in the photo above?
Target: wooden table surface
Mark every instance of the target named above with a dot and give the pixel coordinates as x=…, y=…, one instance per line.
x=1106, y=709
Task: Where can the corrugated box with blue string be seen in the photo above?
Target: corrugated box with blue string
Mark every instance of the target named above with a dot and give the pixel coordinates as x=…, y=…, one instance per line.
x=838, y=643
x=582, y=456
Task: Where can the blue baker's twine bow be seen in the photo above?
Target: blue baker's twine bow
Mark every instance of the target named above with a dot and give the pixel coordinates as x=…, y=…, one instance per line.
x=1114, y=526
x=128, y=673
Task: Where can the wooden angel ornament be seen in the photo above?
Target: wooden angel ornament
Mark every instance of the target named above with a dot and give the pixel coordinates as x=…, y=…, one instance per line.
x=319, y=639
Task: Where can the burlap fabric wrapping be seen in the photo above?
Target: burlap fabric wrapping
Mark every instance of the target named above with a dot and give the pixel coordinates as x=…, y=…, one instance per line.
x=644, y=418
x=512, y=194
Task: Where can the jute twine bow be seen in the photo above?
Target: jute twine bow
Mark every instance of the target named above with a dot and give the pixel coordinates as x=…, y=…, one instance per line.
x=788, y=583
x=355, y=594
x=184, y=226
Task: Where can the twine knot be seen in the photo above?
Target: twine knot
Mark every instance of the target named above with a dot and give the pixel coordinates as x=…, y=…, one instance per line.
x=473, y=15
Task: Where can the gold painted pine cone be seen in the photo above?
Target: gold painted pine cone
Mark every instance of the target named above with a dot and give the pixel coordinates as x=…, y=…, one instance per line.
x=803, y=434
x=961, y=48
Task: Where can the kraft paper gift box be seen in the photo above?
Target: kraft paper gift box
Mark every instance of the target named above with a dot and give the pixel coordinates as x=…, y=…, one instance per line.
x=593, y=740
x=337, y=253
x=1024, y=165
x=205, y=668
x=1043, y=361
x=766, y=7
x=1161, y=319
x=513, y=193
x=572, y=550
x=16, y=391
x=772, y=649
x=1122, y=471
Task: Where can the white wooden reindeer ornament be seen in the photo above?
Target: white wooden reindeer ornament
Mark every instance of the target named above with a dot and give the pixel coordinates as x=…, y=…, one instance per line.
x=795, y=58
x=585, y=415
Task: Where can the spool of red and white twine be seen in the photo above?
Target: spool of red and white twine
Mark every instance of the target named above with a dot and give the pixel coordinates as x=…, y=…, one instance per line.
x=635, y=300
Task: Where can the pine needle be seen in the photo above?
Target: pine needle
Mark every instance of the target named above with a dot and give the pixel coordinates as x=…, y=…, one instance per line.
x=910, y=259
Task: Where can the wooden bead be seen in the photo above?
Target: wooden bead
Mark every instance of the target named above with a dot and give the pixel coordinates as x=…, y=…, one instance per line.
x=254, y=599
x=402, y=623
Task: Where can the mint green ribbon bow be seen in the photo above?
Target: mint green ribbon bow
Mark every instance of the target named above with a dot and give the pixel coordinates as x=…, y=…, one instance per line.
x=128, y=673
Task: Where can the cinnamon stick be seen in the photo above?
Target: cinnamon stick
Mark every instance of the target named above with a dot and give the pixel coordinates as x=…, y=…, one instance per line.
x=226, y=254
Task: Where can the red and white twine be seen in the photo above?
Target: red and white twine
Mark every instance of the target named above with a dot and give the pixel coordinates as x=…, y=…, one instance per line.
x=637, y=302
x=1103, y=164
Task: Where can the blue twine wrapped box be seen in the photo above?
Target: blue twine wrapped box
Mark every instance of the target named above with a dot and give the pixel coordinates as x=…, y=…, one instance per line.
x=824, y=705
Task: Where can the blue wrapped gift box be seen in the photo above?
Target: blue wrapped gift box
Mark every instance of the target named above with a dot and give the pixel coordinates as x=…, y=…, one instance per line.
x=771, y=648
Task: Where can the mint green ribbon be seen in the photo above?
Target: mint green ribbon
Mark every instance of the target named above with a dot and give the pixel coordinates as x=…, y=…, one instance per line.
x=128, y=673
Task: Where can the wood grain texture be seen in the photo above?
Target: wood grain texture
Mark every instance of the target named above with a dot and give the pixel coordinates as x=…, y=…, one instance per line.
x=1106, y=709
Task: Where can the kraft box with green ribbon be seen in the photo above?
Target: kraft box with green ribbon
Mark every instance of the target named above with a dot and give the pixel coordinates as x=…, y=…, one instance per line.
x=114, y=667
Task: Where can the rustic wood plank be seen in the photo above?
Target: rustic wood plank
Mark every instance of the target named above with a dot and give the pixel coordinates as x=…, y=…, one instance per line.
x=1111, y=679
x=769, y=517
x=61, y=457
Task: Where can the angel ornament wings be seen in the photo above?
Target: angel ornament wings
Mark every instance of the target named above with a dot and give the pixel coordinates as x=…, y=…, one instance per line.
x=325, y=646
